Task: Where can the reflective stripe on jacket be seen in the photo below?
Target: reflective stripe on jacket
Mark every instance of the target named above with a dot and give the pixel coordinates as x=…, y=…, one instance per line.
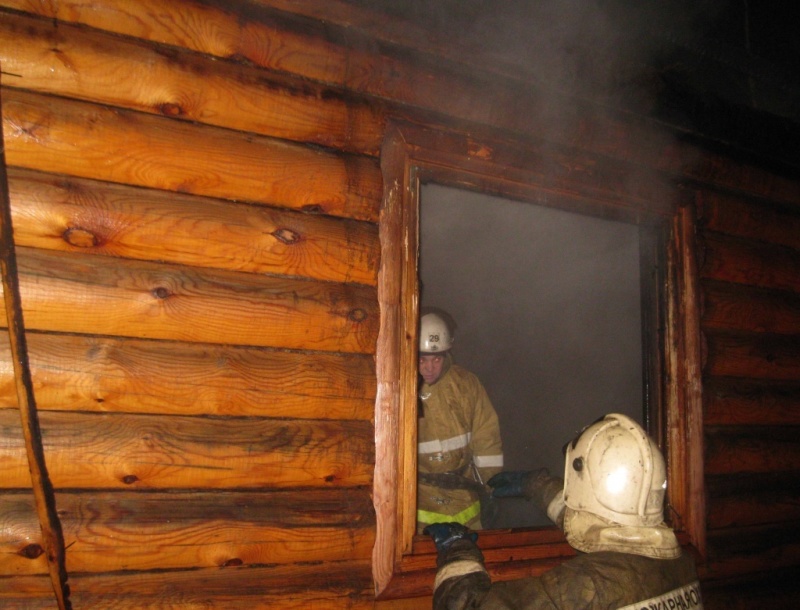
x=458, y=433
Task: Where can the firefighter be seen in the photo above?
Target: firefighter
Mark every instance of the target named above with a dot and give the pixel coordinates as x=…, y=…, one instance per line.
x=610, y=506
x=458, y=434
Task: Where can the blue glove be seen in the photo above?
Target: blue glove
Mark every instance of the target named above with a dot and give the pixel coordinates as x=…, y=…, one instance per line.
x=445, y=534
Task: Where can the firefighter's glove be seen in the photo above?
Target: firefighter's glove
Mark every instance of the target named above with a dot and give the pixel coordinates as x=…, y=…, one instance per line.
x=515, y=484
x=445, y=534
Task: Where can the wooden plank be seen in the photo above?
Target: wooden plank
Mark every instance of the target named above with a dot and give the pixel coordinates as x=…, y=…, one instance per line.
x=752, y=356
x=75, y=215
x=746, y=402
x=85, y=64
x=112, y=531
x=26, y=592
x=107, y=296
x=738, y=307
x=752, y=219
x=122, y=451
x=343, y=585
x=773, y=589
x=753, y=499
x=751, y=263
x=80, y=373
x=752, y=449
x=91, y=141
x=749, y=549
x=21, y=542
x=321, y=50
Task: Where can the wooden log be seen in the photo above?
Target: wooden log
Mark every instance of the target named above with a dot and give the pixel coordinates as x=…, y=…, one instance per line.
x=106, y=296
x=343, y=585
x=757, y=220
x=28, y=592
x=123, y=451
x=79, y=373
x=88, y=64
x=752, y=449
x=91, y=141
x=112, y=531
x=753, y=499
x=749, y=549
x=74, y=215
x=772, y=589
x=746, y=402
x=322, y=50
x=21, y=543
x=752, y=356
x=738, y=307
x=751, y=263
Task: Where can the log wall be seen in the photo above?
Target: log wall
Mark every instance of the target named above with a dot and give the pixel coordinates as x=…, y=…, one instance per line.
x=195, y=190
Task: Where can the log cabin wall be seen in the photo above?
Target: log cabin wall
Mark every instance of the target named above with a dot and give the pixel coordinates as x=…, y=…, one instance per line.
x=195, y=190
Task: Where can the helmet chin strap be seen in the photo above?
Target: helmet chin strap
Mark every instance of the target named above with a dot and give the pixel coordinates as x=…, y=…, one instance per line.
x=590, y=533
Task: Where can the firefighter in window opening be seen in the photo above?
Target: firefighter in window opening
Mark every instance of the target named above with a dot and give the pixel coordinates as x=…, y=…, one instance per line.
x=610, y=506
x=458, y=433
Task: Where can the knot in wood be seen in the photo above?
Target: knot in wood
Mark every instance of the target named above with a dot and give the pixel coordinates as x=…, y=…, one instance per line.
x=31, y=551
x=130, y=479
x=161, y=292
x=232, y=562
x=313, y=208
x=80, y=237
x=286, y=236
x=357, y=315
x=170, y=109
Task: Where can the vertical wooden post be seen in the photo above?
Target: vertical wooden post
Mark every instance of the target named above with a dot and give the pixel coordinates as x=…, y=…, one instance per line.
x=44, y=498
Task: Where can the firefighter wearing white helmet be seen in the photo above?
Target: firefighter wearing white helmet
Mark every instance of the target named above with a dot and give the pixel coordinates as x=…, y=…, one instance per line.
x=459, y=446
x=610, y=505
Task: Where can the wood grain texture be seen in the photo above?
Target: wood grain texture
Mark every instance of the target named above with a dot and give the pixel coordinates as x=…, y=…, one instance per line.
x=107, y=296
x=85, y=373
x=112, y=531
x=757, y=220
x=78, y=63
x=753, y=499
x=730, y=401
x=122, y=451
x=92, y=141
x=752, y=356
x=343, y=585
x=737, y=307
x=762, y=449
x=76, y=215
x=752, y=263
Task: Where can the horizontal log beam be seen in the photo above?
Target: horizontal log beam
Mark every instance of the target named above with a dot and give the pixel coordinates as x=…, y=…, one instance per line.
x=81, y=293
x=751, y=263
x=752, y=499
x=75, y=215
x=84, y=373
x=751, y=219
x=747, y=402
x=122, y=451
x=749, y=449
x=91, y=141
x=321, y=49
x=738, y=307
x=112, y=531
x=752, y=356
x=69, y=61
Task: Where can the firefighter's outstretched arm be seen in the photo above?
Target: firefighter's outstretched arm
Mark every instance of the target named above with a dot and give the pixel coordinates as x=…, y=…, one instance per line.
x=545, y=491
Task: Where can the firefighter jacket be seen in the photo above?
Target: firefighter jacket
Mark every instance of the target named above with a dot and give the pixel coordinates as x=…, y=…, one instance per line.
x=459, y=448
x=635, y=575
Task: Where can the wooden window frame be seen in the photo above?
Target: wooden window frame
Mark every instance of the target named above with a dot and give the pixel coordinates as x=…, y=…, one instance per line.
x=405, y=566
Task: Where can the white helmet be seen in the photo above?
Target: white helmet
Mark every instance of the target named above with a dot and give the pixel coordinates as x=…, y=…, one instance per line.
x=614, y=470
x=434, y=335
